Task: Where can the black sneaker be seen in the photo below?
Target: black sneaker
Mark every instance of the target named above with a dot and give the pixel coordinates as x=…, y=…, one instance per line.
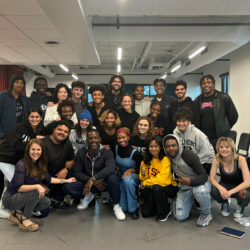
x=135, y=215
x=164, y=218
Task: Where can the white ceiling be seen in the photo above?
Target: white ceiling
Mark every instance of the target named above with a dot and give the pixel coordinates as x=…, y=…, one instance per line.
x=153, y=34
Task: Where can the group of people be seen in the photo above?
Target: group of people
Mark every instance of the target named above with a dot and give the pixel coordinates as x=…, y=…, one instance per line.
x=126, y=146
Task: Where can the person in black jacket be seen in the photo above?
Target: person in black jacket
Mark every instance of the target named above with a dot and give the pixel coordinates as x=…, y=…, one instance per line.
x=217, y=113
x=39, y=98
x=113, y=96
x=165, y=100
x=94, y=169
x=14, y=106
x=182, y=101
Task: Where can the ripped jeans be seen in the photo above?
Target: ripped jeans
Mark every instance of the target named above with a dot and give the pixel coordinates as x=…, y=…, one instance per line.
x=185, y=199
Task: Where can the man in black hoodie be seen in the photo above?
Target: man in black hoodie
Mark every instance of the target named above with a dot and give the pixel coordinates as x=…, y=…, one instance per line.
x=193, y=181
x=39, y=98
x=182, y=101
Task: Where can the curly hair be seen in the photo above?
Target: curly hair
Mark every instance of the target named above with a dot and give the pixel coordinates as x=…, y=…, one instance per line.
x=66, y=103
x=57, y=88
x=38, y=169
x=184, y=114
x=122, y=79
x=147, y=155
x=151, y=131
x=230, y=142
x=102, y=119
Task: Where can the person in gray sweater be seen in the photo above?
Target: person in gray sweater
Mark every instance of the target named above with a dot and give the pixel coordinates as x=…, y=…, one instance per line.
x=193, y=181
x=192, y=138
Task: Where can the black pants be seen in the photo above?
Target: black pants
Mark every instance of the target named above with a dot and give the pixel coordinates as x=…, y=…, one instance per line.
x=216, y=195
x=25, y=201
x=156, y=200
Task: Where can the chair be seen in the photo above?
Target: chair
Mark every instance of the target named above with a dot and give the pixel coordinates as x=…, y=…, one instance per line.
x=243, y=145
x=233, y=135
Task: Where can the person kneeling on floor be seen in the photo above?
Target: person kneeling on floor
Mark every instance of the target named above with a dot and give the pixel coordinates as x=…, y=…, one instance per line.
x=234, y=178
x=26, y=191
x=193, y=181
x=94, y=169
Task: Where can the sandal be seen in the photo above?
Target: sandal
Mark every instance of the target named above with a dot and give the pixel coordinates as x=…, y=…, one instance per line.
x=14, y=218
x=32, y=227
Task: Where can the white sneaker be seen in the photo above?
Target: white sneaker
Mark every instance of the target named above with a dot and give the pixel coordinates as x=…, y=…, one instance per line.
x=84, y=203
x=118, y=212
x=4, y=213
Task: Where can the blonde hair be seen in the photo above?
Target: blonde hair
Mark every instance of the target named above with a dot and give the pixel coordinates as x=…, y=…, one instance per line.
x=102, y=119
x=230, y=142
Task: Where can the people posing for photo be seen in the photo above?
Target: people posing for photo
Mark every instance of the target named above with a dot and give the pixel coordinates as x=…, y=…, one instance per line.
x=61, y=94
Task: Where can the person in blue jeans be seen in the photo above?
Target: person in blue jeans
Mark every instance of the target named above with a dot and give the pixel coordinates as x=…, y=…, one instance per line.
x=193, y=181
x=128, y=160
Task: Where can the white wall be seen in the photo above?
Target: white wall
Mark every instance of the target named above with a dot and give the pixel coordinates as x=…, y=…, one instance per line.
x=239, y=89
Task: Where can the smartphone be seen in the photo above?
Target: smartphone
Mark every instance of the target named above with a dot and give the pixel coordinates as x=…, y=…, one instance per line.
x=232, y=232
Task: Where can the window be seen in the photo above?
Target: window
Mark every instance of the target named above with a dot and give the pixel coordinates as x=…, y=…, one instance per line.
x=225, y=83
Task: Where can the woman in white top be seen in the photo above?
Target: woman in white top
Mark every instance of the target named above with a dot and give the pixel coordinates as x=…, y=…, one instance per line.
x=61, y=93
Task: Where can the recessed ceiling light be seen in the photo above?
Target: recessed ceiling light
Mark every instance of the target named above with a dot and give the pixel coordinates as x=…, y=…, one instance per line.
x=52, y=42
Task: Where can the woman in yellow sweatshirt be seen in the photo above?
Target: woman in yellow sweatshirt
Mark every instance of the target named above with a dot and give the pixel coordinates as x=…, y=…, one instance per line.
x=157, y=181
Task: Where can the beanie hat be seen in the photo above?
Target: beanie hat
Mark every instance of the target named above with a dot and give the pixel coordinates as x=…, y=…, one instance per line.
x=123, y=130
x=15, y=78
x=85, y=115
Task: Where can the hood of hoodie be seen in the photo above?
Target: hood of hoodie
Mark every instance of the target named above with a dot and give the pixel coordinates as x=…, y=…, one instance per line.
x=178, y=155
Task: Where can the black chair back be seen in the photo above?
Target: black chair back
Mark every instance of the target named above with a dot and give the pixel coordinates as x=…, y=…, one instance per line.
x=233, y=135
x=243, y=145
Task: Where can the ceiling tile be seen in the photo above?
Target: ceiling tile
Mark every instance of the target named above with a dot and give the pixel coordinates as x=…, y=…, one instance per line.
x=42, y=33
x=31, y=22
x=17, y=42
x=11, y=33
x=23, y=7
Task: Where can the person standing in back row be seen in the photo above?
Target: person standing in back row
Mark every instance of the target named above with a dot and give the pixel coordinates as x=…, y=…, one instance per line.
x=114, y=94
x=165, y=101
x=217, y=113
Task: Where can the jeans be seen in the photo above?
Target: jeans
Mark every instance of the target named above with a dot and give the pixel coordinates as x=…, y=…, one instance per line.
x=128, y=200
x=75, y=189
x=185, y=199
